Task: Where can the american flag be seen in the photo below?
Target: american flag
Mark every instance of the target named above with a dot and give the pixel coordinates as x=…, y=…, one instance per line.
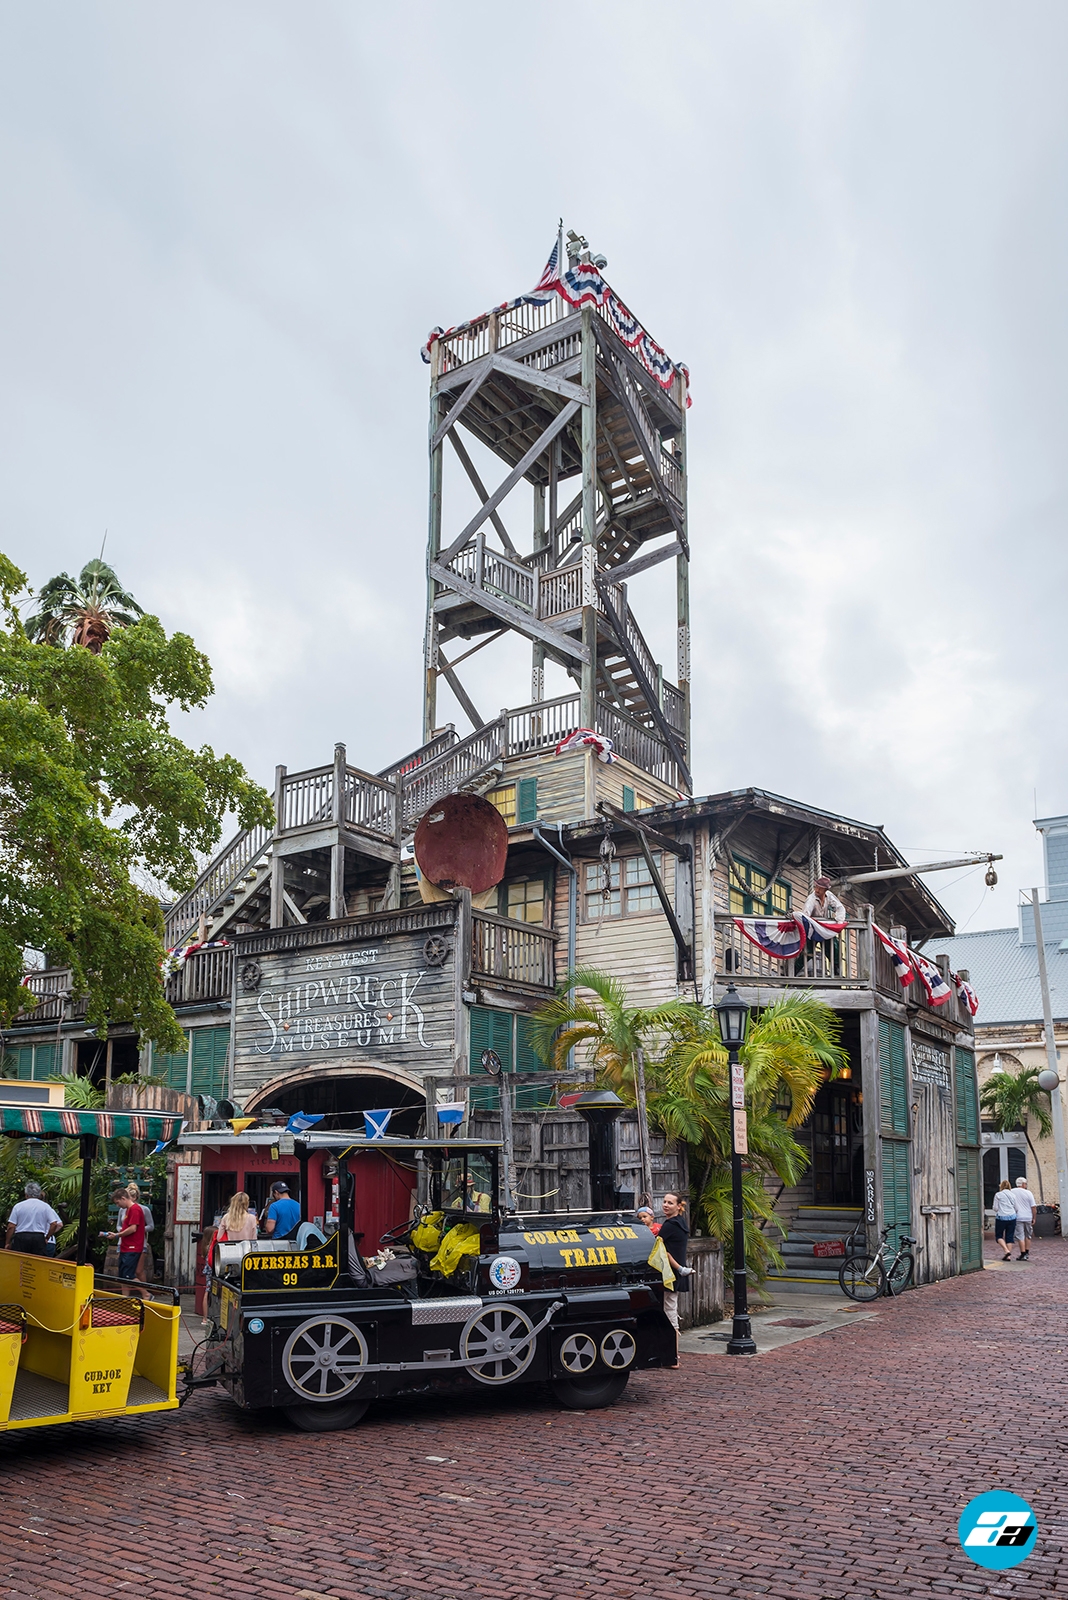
x=551, y=275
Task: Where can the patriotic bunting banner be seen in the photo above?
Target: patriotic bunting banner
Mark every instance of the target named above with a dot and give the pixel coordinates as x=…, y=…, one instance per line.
x=820, y=930
x=967, y=994
x=583, y=285
x=782, y=939
x=938, y=990
x=586, y=736
x=900, y=955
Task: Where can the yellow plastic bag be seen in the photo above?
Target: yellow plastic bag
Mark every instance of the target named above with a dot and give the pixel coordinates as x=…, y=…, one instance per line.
x=463, y=1240
x=658, y=1258
x=427, y=1236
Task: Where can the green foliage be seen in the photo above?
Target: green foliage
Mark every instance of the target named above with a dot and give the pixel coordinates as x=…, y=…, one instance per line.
x=1008, y=1099
x=85, y=612
x=790, y=1049
x=95, y=789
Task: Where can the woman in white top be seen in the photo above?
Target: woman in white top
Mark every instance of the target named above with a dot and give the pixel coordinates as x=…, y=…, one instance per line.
x=1005, y=1219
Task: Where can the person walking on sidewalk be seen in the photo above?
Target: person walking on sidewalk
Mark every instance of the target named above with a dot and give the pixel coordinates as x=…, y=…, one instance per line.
x=130, y=1233
x=1026, y=1206
x=1005, y=1219
x=32, y=1223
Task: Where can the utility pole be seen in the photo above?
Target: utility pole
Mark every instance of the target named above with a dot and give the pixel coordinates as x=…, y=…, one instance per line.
x=1053, y=1067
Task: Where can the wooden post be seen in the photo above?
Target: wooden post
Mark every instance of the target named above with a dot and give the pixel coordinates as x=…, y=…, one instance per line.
x=107, y=1070
x=644, y=1154
x=588, y=706
x=278, y=877
x=430, y=691
x=537, y=666
x=337, y=849
x=682, y=603
x=462, y=957
x=393, y=887
x=507, y=1141
x=706, y=881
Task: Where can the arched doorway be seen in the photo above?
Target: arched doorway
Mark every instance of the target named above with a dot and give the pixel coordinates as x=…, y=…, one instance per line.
x=340, y=1095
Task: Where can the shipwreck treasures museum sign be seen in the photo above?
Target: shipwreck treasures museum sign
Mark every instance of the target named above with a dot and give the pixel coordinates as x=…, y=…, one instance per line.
x=385, y=1003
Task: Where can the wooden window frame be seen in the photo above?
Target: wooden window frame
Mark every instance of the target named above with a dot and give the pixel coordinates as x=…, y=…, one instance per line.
x=752, y=906
x=619, y=863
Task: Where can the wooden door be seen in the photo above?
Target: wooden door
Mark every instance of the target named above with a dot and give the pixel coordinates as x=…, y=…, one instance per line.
x=934, y=1151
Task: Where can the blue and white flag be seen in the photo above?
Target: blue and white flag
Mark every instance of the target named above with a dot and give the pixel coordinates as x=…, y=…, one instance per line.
x=452, y=1113
x=301, y=1121
x=782, y=938
x=375, y=1123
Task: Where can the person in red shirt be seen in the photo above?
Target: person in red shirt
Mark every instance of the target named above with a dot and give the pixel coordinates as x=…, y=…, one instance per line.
x=131, y=1234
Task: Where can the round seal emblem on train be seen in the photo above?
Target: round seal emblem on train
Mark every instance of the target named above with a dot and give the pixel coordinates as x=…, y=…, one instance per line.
x=505, y=1273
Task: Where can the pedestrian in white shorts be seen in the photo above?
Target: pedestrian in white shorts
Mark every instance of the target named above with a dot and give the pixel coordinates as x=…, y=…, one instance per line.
x=1026, y=1206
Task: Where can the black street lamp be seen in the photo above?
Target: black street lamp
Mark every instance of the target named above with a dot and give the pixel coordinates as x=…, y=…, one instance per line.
x=733, y=1016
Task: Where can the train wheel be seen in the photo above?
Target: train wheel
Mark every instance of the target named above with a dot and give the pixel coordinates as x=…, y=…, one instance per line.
x=327, y=1418
x=497, y=1341
x=323, y=1359
x=589, y=1394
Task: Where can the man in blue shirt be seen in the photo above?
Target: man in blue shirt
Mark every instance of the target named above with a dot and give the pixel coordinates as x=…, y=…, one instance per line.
x=283, y=1214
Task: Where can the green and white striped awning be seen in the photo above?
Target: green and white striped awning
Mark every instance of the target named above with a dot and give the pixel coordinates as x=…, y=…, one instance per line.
x=62, y=1122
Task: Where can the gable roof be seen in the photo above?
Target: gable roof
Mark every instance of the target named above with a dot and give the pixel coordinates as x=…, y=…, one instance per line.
x=1004, y=974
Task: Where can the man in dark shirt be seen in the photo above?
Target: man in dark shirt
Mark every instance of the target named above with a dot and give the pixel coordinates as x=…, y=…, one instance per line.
x=675, y=1236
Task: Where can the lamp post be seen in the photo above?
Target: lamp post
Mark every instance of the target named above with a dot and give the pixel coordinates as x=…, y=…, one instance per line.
x=732, y=1014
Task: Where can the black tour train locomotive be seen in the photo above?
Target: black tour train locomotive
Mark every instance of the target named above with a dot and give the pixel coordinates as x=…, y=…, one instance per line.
x=458, y=1297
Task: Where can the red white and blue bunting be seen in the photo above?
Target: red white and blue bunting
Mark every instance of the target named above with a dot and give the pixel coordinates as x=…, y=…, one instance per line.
x=900, y=956
x=967, y=994
x=587, y=737
x=785, y=937
x=937, y=987
x=584, y=285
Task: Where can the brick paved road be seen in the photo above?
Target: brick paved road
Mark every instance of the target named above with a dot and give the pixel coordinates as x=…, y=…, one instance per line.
x=828, y=1469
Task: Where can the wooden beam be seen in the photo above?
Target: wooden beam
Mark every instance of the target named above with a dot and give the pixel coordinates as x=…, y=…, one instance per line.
x=291, y=906
x=540, y=380
x=476, y=720
x=480, y=489
x=656, y=711
x=630, y=569
x=478, y=376
x=632, y=820
x=559, y=422
x=521, y=621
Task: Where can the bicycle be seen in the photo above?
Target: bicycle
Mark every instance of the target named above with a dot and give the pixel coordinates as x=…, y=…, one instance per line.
x=865, y=1276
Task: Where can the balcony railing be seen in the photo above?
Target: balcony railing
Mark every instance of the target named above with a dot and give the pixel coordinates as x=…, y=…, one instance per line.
x=514, y=952
x=841, y=961
x=205, y=975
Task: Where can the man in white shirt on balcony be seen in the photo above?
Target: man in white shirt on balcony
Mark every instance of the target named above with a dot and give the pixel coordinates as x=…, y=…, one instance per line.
x=822, y=905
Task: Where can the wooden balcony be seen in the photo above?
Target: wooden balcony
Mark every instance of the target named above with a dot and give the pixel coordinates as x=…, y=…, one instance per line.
x=855, y=960
x=205, y=975
x=517, y=953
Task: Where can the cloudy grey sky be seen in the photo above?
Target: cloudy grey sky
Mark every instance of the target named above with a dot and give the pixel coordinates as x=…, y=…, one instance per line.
x=228, y=228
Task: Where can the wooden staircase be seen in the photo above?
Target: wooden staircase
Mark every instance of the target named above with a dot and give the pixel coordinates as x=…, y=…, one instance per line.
x=802, y=1269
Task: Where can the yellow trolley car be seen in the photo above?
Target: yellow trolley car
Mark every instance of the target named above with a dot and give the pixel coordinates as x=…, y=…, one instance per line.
x=74, y=1344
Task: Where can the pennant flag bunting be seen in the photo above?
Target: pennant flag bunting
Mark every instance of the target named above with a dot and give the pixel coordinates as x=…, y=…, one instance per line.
x=781, y=939
x=301, y=1121
x=967, y=994
x=900, y=955
x=452, y=1112
x=375, y=1123
x=239, y=1124
x=587, y=736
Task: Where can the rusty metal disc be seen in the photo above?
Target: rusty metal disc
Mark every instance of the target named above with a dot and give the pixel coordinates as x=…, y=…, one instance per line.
x=462, y=842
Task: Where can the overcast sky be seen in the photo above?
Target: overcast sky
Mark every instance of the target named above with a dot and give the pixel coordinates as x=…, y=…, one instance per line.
x=228, y=228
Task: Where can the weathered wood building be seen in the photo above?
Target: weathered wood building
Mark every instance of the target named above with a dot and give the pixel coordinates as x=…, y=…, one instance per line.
x=345, y=983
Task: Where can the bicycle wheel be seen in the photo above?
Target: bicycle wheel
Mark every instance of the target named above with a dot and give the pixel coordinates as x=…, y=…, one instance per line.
x=900, y=1275
x=862, y=1277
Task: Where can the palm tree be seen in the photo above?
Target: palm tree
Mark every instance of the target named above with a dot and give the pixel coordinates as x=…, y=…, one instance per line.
x=1009, y=1098
x=791, y=1048
x=85, y=612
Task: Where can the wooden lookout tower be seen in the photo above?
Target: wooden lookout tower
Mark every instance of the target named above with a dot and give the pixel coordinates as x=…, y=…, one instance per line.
x=569, y=392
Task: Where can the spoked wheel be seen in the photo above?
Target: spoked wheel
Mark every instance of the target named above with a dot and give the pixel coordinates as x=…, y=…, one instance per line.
x=900, y=1275
x=498, y=1341
x=862, y=1277
x=325, y=1419
x=323, y=1360
x=589, y=1394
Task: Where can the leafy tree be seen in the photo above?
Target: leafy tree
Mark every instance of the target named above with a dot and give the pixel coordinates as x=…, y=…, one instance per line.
x=1008, y=1099
x=86, y=611
x=790, y=1049
x=94, y=789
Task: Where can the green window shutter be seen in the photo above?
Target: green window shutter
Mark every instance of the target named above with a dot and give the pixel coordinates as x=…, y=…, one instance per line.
x=967, y=1106
x=970, y=1203
x=490, y=1030
x=174, y=1070
x=208, y=1061
x=893, y=1077
x=45, y=1060
x=529, y=1096
x=526, y=808
x=628, y=798
x=18, y=1061
x=897, y=1189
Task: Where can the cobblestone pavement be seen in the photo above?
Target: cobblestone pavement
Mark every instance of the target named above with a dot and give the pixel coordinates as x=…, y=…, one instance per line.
x=829, y=1469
